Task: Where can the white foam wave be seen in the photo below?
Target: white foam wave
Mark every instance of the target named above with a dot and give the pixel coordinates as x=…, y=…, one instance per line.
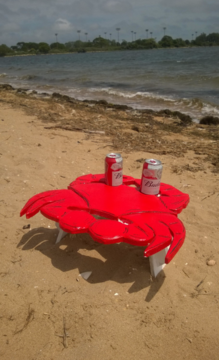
x=3, y=75
x=129, y=95
x=147, y=100
x=209, y=109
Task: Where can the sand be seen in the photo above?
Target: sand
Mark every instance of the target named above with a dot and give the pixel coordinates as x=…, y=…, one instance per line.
x=47, y=310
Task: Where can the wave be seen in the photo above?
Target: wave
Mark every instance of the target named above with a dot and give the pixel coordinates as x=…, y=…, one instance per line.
x=29, y=77
x=134, y=96
x=3, y=75
x=195, y=107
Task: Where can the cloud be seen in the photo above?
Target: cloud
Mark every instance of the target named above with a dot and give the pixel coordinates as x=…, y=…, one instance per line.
x=28, y=20
x=6, y=10
x=63, y=24
x=153, y=18
x=28, y=12
x=79, y=8
x=3, y=18
x=11, y=27
x=115, y=7
x=191, y=6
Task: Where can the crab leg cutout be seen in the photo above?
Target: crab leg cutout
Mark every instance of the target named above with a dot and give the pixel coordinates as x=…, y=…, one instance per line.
x=58, y=198
x=177, y=231
x=107, y=231
x=172, y=198
x=162, y=235
x=37, y=197
x=76, y=221
x=112, y=231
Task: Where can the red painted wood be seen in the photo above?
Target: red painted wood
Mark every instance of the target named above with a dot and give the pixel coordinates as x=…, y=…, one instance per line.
x=76, y=221
x=107, y=231
x=174, y=199
x=127, y=180
x=64, y=198
x=135, y=235
x=116, y=200
x=158, y=232
x=131, y=216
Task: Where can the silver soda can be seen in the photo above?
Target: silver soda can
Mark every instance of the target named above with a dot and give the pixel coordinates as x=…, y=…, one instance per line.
x=151, y=176
x=113, y=169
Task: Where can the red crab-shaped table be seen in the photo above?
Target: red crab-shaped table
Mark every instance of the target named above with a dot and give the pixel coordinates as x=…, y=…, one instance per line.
x=126, y=214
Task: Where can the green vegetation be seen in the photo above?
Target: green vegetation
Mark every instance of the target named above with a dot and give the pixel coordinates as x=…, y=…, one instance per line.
x=101, y=44
x=4, y=50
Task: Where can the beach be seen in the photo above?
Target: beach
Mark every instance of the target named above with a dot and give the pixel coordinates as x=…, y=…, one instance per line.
x=48, y=311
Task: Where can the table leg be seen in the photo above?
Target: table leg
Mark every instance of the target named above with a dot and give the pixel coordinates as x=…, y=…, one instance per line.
x=157, y=261
x=61, y=234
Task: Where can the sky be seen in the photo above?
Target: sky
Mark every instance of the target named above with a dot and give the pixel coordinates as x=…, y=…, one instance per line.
x=39, y=20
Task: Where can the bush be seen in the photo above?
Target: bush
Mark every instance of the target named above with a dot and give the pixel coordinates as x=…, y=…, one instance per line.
x=44, y=48
x=209, y=120
x=4, y=50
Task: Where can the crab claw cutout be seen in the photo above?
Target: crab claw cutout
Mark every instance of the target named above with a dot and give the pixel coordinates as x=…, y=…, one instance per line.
x=53, y=204
x=129, y=216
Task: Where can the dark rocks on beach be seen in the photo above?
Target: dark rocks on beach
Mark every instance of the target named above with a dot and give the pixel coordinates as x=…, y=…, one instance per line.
x=22, y=90
x=108, y=105
x=102, y=102
x=120, y=107
x=185, y=119
x=209, y=120
x=62, y=97
x=6, y=87
x=135, y=128
x=57, y=95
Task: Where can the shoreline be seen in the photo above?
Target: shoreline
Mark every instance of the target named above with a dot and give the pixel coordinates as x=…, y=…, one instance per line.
x=94, y=51
x=183, y=117
x=194, y=109
x=140, y=122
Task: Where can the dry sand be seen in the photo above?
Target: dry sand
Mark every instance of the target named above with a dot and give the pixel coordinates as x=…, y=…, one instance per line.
x=47, y=310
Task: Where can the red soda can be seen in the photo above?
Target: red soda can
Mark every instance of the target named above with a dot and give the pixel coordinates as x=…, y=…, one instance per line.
x=151, y=176
x=113, y=169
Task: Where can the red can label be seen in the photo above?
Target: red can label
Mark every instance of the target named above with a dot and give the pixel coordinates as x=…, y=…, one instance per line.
x=113, y=169
x=151, y=176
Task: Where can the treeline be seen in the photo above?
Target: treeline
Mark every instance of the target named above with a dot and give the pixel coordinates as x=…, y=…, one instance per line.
x=101, y=43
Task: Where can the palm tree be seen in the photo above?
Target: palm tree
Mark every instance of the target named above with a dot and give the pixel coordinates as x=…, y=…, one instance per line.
x=85, y=35
x=56, y=37
x=78, y=34
x=105, y=33
x=118, y=29
x=147, y=32
x=196, y=32
x=110, y=36
x=164, y=29
x=132, y=34
x=151, y=33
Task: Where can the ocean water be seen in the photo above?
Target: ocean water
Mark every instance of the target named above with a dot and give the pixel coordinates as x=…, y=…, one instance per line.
x=185, y=79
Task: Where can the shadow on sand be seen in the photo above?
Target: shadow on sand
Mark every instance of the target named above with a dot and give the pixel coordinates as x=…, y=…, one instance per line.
x=122, y=263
